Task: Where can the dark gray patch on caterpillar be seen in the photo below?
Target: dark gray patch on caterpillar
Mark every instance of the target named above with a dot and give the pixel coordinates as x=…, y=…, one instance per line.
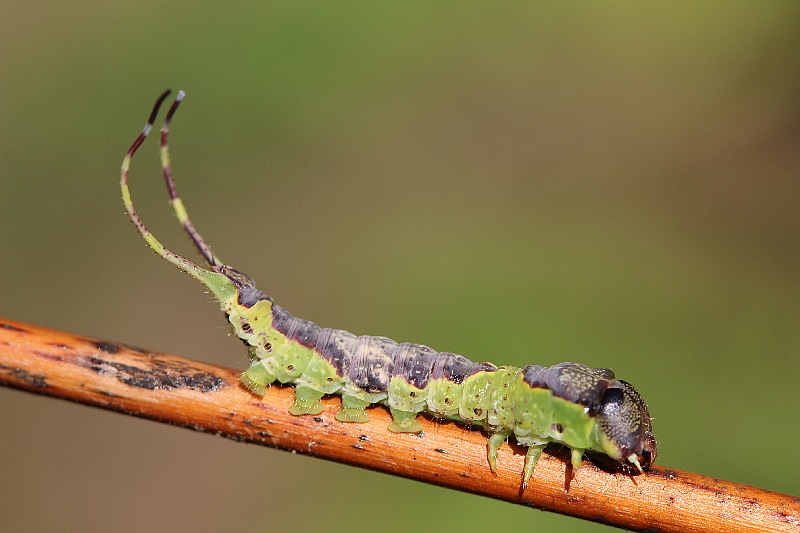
x=456, y=368
x=337, y=346
x=371, y=367
x=573, y=382
x=281, y=320
x=304, y=332
x=414, y=363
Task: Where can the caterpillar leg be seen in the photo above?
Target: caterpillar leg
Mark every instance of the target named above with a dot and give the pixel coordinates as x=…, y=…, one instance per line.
x=531, y=458
x=306, y=401
x=257, y=378
x=352, y=410
x=404, y=421
x=577, y=456
x=495, y=440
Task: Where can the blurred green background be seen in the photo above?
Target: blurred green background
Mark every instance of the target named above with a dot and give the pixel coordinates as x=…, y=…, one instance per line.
x=610, y=183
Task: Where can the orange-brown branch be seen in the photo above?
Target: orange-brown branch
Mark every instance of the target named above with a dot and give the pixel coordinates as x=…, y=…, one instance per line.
x=209, y=398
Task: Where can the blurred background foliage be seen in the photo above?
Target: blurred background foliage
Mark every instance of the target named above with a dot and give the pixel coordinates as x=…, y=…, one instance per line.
x=611, y=183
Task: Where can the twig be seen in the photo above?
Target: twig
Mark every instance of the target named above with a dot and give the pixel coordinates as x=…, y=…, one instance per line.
x=209, y=398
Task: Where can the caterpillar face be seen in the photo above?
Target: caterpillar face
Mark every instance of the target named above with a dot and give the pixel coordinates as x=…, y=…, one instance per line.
x=625, y=433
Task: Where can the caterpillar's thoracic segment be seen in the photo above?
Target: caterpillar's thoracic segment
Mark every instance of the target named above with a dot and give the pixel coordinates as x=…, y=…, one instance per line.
x=584, y=408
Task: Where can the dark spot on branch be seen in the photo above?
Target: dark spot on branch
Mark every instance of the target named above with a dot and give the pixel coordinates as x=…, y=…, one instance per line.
x=12, y=328
x=165, y=376
x=319, y=419
x=58, y=345
x=49, y=356
x=134, y=348
x=441, y=450
x=37, y=380
x=363, y=438
x=357, y=446
x=108, y=347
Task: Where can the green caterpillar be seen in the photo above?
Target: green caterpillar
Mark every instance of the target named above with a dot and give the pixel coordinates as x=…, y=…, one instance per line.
x=581, y=407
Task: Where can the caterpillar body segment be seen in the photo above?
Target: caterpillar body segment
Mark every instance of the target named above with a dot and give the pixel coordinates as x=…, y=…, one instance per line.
x=570, y=403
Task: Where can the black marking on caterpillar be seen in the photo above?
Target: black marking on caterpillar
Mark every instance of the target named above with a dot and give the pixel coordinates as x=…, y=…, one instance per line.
x=586, y=409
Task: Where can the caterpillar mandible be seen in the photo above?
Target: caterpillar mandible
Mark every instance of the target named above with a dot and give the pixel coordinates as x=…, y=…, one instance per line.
x=569, y=403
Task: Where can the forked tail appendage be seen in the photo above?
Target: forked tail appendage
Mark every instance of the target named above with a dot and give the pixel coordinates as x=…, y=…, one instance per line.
x=214, y=279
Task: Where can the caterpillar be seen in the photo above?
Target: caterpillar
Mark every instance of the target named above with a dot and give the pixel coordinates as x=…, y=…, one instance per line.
x=570, y=403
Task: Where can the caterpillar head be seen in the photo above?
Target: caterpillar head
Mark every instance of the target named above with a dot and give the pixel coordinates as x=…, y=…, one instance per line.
x=625, y=433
